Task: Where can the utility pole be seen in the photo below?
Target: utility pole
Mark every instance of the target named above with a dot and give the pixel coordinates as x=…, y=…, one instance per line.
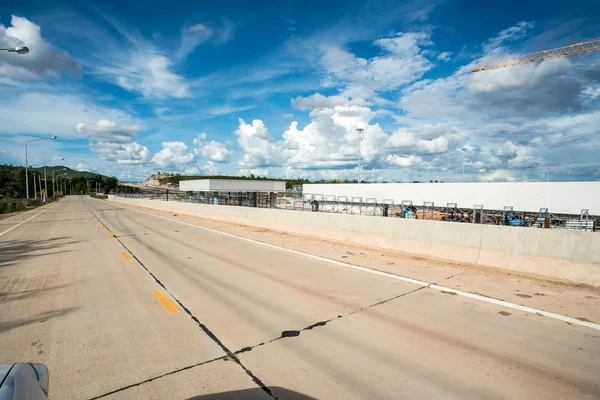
x=40, y=185
x=360, y=131
x=27, y=141
x=464, y=150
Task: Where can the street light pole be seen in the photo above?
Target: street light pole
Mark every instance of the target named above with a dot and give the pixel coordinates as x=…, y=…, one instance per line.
x=34, y=191
x=45, y=181
x=59, y=185
x=464, y=150
x=27, y=161
x=359, y=130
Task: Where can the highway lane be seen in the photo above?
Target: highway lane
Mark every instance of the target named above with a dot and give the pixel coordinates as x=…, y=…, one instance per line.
x=349, y=334
x=71, y=300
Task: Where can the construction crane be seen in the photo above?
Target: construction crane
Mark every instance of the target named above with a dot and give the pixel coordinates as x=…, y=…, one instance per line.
x=578, y=48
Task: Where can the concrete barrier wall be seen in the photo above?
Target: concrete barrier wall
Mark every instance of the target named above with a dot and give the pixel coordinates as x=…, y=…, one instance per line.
x=562, y=255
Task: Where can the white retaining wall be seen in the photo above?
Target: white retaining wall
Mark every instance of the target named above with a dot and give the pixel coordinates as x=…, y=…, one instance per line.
x=554, y=254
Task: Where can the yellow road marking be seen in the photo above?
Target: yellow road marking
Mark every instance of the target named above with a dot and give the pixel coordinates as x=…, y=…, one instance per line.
x=166, y=302
x=126, y=255
x=111, y=237
x=101, y=226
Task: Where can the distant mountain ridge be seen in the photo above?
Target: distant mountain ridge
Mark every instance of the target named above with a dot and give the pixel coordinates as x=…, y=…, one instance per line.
x=71, y=173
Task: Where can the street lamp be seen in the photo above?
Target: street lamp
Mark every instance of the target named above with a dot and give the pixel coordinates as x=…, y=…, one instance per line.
x=27, y=164
x=59, y=183
x=464, y=150
x=45, y=180
x=359, y=130
x=18, y=50
x=54, y=186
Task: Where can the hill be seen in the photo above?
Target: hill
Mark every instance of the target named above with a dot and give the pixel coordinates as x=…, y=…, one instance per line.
x=70, y=173
x=12, y=180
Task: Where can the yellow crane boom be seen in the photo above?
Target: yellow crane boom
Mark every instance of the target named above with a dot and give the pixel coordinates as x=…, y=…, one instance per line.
x=578, y=48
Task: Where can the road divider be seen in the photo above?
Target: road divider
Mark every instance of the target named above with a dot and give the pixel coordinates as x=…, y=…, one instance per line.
x=166, y=302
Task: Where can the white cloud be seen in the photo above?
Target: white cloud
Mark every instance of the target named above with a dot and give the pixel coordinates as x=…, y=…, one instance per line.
x=207, y=169
x=445, y=56
x=81, y=167
x=317, y=100
x=592, y=91
x=403, y=63
x=403, y=139
x=405, y=43
x=122, y=153
x=41, y=61
x=107, y=131
x=505, y=151
x=255, y=140
x=213, y=151
x=397, y=161
x=129, y=60
x=287, y=115
x=173, y=154
x=513, y=33
x=37, y=112
x=529, y=75
x=149, y=73
x=497, y=176
x=193, y=37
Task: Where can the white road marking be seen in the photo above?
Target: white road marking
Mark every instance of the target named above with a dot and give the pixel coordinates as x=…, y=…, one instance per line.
x=429, y=285
x=28, y=219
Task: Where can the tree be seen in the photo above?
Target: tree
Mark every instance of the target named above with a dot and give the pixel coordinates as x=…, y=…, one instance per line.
x=110, y=184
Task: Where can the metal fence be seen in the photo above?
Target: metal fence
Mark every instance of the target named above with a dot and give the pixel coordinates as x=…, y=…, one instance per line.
x=388, y=208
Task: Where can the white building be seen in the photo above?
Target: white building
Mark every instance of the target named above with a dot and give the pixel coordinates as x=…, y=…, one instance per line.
x=231, y=185
x=558, y=197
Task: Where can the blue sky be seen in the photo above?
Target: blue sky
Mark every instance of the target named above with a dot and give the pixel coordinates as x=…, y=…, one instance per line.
x=279, y=88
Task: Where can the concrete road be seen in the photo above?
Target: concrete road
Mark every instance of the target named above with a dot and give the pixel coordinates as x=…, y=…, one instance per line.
x=122, y=304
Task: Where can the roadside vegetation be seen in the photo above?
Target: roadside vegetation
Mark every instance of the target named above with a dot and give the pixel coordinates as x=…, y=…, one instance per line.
x=13, y=191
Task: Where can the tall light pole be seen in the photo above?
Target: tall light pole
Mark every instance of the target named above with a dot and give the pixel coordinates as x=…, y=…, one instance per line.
x=548, y=187
x=18, y=50
x=58, y=182
x=464, y=150
x=27, y=162
x=53, y=180
x=360, y=131
x=45, y=180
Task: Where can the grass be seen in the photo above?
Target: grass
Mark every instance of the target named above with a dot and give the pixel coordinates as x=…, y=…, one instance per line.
x=11, y=205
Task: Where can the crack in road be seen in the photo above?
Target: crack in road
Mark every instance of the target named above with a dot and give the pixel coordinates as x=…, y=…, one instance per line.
x=296, y=333
x=203, y=327
x=158, y=377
